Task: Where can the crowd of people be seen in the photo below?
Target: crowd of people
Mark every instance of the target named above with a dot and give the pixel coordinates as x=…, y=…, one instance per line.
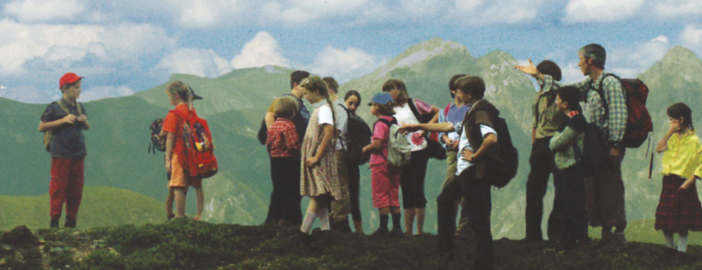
x=308, y=157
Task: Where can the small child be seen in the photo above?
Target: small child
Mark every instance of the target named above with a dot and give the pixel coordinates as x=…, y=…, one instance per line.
x=284, y=150
x=567, y=144
x=180, y=96
x=679, y=207
x=66, y=119
x=200, y=196
x=385, y=178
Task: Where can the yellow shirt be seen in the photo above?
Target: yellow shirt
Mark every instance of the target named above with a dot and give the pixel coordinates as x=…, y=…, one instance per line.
x=683, y=156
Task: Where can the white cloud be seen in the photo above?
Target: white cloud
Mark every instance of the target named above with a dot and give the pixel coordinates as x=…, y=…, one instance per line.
x=262, y=50
x=344, y=65
x=43, y=10
x=204, y=63
x=678, y=8
x=100, y=92
x=571, y=73
x=691, y=37
x=578, y=11
x=63, y=45
x=479, y=12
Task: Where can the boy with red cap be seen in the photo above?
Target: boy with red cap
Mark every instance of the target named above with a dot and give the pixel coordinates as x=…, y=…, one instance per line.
x=66, y=119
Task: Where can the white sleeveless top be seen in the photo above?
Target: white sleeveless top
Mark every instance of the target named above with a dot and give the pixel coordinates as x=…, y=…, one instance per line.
x=404, y=116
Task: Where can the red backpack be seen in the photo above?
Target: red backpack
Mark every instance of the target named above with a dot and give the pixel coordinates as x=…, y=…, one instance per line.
x=198, y=151
x=638, y=124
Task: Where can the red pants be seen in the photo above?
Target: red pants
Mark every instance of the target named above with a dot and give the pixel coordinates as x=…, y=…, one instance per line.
x=66, y=186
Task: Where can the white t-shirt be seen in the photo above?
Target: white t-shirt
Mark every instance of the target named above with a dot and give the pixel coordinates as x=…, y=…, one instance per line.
x=325, y=117
x=404, y=116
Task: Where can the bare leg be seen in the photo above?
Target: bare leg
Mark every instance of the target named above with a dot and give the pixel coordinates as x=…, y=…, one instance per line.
x=169, y=203
x=409, y=220
x=420, y=220
x=179, y=201
x=200, y=197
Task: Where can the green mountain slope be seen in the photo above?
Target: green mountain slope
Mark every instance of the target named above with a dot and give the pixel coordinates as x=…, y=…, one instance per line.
x=101, y=206
x=235, y=103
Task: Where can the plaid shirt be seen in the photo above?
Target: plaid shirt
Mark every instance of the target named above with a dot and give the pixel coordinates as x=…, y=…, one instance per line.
x=282, y=140
x=615, y=124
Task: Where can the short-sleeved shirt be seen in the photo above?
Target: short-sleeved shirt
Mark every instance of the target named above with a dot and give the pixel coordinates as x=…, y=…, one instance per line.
x=381, y=132
x=454, y=116
x=68, y=140
x=174, y=124
x=405, y=116
x=282, y=139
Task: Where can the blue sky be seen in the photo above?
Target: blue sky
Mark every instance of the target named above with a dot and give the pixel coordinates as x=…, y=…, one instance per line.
x=122, y=47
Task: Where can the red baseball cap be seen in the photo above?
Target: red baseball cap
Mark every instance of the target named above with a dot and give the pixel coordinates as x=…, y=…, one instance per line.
x=69, y=78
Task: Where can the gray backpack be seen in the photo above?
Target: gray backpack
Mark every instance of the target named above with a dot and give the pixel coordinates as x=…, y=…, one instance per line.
x=399, y=151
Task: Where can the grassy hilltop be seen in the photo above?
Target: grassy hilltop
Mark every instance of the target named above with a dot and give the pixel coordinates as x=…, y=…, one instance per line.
x=188, y=244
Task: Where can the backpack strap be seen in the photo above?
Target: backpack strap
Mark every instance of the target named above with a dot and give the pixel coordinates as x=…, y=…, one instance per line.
x=388, y=123
x=348, y=116
x=413, y=107
x=600, y=92
x=446, y=111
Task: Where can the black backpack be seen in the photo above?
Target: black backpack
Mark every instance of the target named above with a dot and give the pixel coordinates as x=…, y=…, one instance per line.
x=502, y=170
x=358, y=135
x=594, y=154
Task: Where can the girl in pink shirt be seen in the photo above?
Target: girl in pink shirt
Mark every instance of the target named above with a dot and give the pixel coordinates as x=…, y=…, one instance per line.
x=385, y=178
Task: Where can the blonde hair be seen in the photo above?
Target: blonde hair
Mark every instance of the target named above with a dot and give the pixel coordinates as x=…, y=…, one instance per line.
x=286, y=107
x=180, y=90
x=315, y=84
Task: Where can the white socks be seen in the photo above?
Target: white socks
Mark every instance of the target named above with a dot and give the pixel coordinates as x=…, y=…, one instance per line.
x=324, y=218
x=669, y=241
x=307, y=223
x=682, y=242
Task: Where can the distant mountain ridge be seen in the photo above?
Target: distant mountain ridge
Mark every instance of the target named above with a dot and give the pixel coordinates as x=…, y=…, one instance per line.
x=235, y=103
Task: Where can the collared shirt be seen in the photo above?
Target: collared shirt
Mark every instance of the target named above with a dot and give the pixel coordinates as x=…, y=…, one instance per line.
x=615, y=124
x=683, y=157
x=545, y=117
x=454, y=116
x=68, y=140
x=463, y=144
x=282, y=140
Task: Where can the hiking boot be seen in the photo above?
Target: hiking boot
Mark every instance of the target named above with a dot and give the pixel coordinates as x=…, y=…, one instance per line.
x=300, y=238
x=668, y=255
x=70, y=223
x=397, y=233
x=616, y=244
x=341, y=226
x=171, y=216
x=381, y=233
x=323, y=239
x=54, y=224
x=679, y=257
x=603, y=242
